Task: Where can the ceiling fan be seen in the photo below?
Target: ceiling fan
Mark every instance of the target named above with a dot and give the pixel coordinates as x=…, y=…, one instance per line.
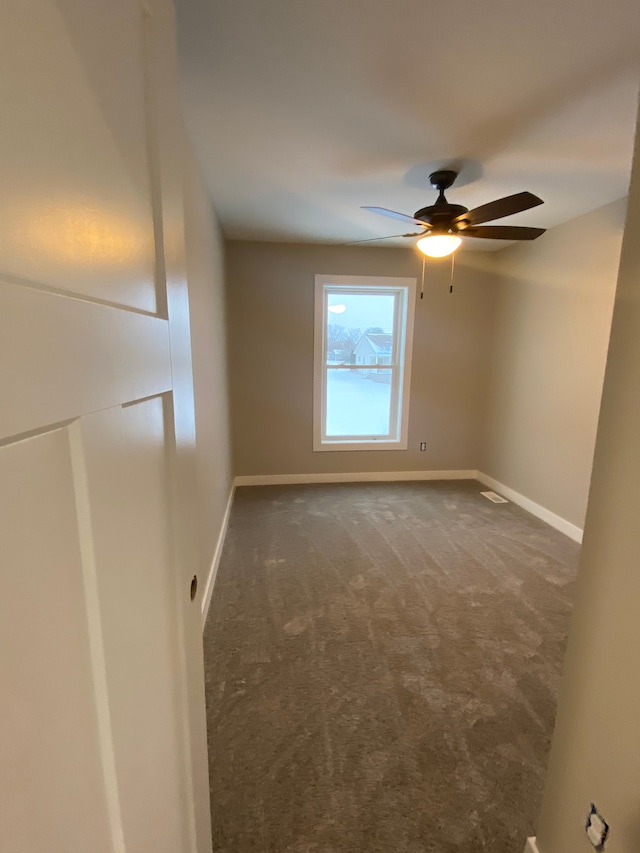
x=443, y=224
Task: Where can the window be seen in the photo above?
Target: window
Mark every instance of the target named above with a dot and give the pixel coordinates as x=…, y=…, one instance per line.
x=363, y=341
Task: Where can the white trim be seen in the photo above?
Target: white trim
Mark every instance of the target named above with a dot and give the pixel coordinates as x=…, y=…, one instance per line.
x=405, y=291
x=213, y=571
x=358, y=445
x=318, y=362
x=571, y=530
x=531, y=846
x=353, y=477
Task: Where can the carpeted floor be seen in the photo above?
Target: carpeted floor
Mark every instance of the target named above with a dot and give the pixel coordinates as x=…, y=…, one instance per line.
x=381, y=664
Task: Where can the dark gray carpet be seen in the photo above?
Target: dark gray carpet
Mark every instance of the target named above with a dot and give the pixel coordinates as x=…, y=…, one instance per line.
x=381, y=664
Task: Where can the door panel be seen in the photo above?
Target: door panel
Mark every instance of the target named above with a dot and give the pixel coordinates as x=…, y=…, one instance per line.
x=125, y=454
x=101, y=674
x=53, y=785
x=76, y=199
x=62, y=356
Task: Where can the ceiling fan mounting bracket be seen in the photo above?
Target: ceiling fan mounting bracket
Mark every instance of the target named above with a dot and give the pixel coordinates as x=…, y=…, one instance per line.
x=442, y=179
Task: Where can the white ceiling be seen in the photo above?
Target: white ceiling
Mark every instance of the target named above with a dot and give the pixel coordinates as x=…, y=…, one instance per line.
x=303, y=111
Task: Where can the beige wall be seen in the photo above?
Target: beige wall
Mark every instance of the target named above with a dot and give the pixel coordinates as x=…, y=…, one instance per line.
x=552, y=330
x=270, y=303
x=596, y=746
x=205, y=271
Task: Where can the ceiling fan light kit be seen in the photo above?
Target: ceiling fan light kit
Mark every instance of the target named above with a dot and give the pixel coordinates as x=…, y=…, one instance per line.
x=443, y=223
x=439, y=245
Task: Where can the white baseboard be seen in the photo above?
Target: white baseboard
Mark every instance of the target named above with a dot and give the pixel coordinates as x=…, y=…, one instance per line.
x=213, y=571
x=531, y=846
x=571, y=530
x=361, y=477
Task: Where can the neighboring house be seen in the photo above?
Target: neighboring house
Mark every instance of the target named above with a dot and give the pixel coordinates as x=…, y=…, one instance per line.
x=373, y=349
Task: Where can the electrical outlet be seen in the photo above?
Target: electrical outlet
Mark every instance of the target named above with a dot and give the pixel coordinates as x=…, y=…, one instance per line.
x=423, y=445
x=596, y=828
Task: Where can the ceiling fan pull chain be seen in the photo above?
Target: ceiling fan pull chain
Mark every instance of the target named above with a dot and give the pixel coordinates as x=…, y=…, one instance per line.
x=422, y=288
x=453, y=266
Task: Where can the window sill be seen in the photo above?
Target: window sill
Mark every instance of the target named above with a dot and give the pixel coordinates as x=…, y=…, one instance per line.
x=357, y=446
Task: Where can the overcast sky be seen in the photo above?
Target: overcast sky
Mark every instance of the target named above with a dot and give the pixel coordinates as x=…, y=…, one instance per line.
x=362, y=311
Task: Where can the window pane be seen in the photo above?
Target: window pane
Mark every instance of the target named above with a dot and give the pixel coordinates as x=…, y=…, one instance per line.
x=359, y=325
x=358, y=402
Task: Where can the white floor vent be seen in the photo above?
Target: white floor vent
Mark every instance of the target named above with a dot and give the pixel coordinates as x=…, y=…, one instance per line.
x=494, y=497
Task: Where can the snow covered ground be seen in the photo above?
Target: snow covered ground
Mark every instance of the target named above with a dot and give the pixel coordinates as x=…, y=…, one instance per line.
x=356, y=405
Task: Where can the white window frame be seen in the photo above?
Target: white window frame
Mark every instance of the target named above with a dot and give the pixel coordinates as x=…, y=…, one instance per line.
x=400, y=363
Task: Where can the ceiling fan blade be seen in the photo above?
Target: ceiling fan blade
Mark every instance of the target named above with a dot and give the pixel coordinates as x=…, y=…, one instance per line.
x=395, y=215
x=500, y=207
x=388, y=237
x=503, y=232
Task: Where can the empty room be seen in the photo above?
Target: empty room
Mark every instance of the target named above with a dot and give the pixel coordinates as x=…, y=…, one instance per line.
x=320, y=333
x=384, y=645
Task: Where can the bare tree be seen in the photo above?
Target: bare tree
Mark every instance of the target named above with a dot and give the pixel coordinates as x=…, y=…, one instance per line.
x=335, y=336
x=351, y=338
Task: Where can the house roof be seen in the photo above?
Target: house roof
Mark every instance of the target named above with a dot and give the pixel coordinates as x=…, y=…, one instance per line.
x=380, y=343
x=302, y=112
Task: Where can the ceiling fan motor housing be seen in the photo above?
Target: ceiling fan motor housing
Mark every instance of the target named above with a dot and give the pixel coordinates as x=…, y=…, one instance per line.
x=440, y=216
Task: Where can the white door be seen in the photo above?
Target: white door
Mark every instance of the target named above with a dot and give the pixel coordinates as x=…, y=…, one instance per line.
x=102, y=742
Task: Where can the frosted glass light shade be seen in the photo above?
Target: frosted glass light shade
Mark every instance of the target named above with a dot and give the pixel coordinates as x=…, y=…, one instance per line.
x=439, y=245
